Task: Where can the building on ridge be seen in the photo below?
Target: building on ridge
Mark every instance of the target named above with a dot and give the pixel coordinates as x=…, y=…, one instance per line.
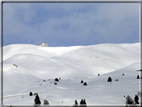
x=44, y=44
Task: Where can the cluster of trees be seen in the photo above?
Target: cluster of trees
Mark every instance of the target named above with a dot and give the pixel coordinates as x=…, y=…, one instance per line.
x=38, y=102
x=84, y=83
x=82, y=103
x=56, y=80
x=37, y=99
x=130, y=101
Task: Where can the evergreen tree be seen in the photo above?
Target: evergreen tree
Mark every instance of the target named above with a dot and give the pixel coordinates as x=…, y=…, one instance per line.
x=30, y=94
x=81, y=81
x=129, y=100
x=109, y=79
x=136, y=98
x=37, y=100
x=56, y=79
x=137, y=76
x=84, y=101
x=81, y=102
x=76, y=104
x=45, y=102
x=85, y=84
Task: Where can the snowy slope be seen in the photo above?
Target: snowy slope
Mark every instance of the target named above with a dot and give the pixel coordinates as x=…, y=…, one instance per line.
x=71, y=64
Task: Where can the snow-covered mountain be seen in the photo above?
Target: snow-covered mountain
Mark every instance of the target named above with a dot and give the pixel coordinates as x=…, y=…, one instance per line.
x=72, y=64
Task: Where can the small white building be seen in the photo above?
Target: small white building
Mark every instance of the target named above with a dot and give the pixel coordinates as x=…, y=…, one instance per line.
x=44, y=44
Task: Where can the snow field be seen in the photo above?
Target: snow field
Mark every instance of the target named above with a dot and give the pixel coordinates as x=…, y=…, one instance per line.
x=71, y=64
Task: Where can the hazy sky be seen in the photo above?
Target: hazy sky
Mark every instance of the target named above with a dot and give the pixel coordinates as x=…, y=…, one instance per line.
x=70, y=24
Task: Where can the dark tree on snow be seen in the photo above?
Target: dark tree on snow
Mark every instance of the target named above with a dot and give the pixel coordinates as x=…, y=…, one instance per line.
x=138, y=77
x=129, y=100
x=85, y=84
x=55, y=83
x=81, y=102
x=30, y=94
x=109, y=79
x=76, y=104
x=81, y=81
x=56, y=79
x=45, y=102
x=136, y=98
x=37, y=100
x=84, y=101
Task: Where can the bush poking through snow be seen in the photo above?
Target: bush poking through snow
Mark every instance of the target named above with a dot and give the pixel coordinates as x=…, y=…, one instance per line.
x=45, y=102
x=30, y=94
x=123, y=74
x=37, y=100
x=116, y=79
x=44, y=80
x=55, y=83
x=109, y=79
x=136, y=98
x=81, y=81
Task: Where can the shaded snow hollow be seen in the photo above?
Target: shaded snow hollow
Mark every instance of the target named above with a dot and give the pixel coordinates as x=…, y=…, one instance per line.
x=71, y=64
